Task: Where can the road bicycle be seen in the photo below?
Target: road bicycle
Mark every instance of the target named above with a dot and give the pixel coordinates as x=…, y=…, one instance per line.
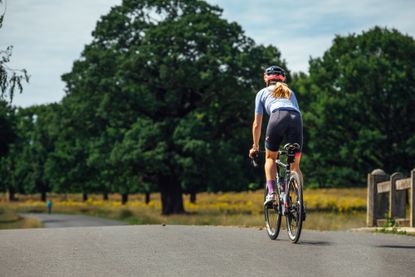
x=289, y=205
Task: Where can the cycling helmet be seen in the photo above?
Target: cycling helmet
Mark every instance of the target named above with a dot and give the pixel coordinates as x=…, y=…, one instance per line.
x=274, y=73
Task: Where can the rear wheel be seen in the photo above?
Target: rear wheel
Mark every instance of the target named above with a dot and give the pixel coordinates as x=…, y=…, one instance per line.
x=294, y=216
x=272, y=215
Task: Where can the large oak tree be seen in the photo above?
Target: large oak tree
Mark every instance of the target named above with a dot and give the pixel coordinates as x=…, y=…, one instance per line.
x=177, y=78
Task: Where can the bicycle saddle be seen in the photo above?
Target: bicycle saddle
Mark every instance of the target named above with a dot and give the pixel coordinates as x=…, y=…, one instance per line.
x=292, y=147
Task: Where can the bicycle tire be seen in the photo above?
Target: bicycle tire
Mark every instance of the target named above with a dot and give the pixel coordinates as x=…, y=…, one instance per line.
x=272, y=216
x=294, y=216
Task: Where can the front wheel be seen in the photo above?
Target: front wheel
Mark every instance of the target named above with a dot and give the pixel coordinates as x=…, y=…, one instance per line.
x=294, y=216
x=272, y=215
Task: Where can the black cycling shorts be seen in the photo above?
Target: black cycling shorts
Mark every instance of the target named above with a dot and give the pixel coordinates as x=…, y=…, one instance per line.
x=284, y=124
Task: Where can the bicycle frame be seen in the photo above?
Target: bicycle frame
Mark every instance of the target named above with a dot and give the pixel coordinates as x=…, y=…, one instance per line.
x=287, y=167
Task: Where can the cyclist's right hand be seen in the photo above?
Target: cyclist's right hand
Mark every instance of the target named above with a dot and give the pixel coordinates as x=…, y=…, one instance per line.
x=254, y=155
x=253, y=152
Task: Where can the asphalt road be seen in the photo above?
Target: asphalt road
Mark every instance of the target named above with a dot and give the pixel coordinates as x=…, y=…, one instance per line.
x=154, y=250
x=66, y=220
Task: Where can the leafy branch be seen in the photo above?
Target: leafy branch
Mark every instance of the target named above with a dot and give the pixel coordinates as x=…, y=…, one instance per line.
x=10, y=79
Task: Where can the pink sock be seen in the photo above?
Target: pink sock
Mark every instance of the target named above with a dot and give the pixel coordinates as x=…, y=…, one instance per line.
x=270, y=185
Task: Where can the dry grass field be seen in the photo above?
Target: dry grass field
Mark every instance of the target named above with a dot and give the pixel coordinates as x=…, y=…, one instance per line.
x=327, y=209
x=9, y=219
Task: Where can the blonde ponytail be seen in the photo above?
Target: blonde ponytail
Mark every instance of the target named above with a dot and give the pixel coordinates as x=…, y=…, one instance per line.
x=281, y=90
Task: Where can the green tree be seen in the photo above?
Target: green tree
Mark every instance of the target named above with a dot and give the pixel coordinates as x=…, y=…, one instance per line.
x=172, y=63
x=17, y=164
x=30, y=150
x=361, y=114
x=99, y=149
x=139, y=158
x=7, y=137
x=40, y=145
x=66, y=167
x=7, y=128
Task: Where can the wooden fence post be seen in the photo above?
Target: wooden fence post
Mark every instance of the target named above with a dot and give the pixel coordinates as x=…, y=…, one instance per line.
x=397, y=199
x=376, y=176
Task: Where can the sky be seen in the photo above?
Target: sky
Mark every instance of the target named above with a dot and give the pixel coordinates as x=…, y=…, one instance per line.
x=48, y=35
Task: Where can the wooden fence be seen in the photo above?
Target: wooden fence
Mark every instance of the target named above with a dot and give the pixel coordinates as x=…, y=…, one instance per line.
x=388, y=197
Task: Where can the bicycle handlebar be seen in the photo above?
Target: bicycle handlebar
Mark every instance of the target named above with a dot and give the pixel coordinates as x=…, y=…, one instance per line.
x=255, y=159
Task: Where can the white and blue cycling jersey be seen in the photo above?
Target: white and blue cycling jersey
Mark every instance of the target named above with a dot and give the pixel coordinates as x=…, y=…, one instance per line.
x=265, y=101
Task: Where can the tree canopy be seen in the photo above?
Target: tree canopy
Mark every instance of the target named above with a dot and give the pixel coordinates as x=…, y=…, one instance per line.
x=359, y=111
x=168, y=86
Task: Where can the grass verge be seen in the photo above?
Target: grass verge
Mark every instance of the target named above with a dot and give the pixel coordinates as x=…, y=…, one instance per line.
x=9, y=219
x=327, y=209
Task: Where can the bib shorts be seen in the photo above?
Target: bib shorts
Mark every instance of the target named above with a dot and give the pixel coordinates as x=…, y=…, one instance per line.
x=284, y=125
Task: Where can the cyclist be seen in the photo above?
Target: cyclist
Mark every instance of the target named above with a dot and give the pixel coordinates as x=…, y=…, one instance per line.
x=285, y=121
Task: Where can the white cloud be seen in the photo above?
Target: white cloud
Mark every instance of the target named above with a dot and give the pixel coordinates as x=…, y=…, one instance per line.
x=301, y=28
x=48, y=35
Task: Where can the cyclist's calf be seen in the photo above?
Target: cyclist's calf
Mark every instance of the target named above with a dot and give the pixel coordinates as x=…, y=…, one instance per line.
x=296, y=166
x=270, y=167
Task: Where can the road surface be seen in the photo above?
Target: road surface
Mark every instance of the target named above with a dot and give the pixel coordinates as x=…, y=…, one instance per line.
x=155, y=250
x=67, y=220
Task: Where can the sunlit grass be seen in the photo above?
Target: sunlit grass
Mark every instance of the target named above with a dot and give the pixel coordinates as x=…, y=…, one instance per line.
x=327, y=209
x=10, y=220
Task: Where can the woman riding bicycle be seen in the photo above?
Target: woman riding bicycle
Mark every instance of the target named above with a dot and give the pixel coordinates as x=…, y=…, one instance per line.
x=285, y=121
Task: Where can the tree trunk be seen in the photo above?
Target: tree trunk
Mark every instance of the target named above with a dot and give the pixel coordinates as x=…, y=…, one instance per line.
x=43, y=195
x=12, y=194
x=84, y=196
x=171, y=197
x=193, y=197
x=105, y=196
x=147, y=198
x=124, y=198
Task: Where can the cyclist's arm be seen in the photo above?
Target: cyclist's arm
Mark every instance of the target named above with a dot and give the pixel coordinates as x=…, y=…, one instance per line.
x=256, y=126
x=256, y=131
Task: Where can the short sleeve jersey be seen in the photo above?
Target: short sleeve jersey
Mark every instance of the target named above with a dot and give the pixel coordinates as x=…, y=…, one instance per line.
x=265, y=101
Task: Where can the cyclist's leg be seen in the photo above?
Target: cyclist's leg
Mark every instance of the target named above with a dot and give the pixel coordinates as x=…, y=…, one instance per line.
x=296, y=166
x=270, y=167
x=273, y=138
x=295, y=135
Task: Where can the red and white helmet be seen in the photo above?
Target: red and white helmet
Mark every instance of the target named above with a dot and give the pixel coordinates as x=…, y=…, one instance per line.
x=274, y=73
